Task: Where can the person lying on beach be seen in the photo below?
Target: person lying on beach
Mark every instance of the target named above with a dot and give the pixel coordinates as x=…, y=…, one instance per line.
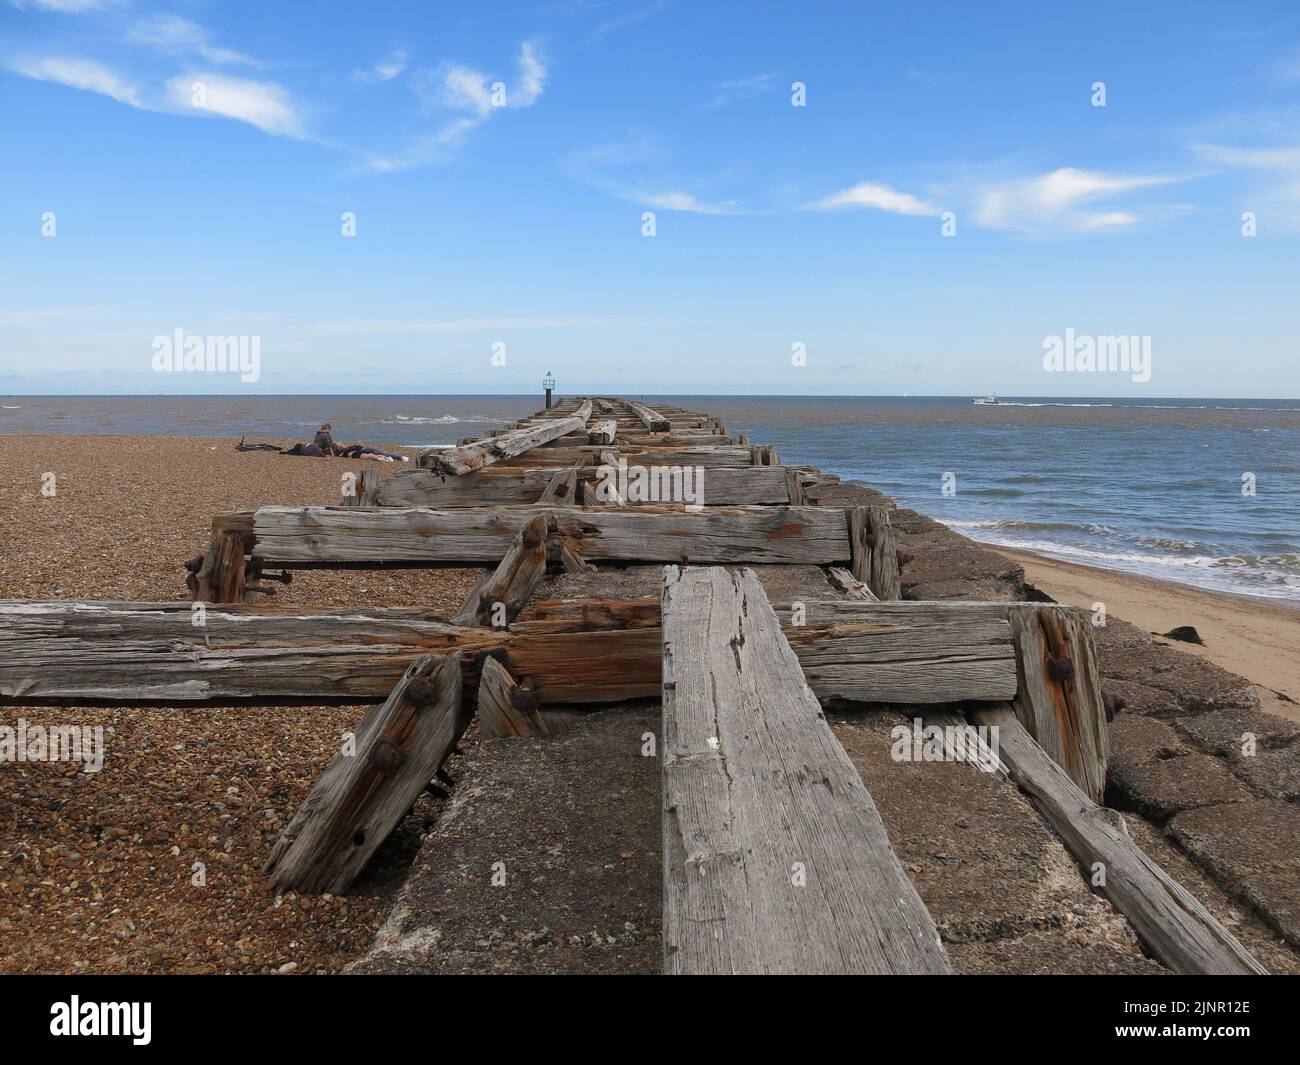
x=360, y=451
x=306, y=449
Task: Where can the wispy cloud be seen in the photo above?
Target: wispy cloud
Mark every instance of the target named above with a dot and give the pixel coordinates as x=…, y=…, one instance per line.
x=176, y=36
x=456, y=87
x=263, y=104
x=87, y=74
x=629, y=18
x=881, y=197
x=680, y=201
x=386, y=69
x=1061, y=200
x=741, y=89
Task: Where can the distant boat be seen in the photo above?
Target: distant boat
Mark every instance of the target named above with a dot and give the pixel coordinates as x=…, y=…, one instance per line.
x=987, y=401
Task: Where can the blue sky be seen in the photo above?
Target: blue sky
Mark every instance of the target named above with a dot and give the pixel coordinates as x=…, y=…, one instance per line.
x=197, y=160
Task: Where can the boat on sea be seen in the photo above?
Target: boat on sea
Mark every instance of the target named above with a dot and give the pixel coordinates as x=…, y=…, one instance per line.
x=987, y=400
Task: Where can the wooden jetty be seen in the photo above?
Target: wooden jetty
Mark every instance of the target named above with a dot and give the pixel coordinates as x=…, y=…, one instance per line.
x=760, y=593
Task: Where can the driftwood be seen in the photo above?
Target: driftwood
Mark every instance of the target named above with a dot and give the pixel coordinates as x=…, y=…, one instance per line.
x=461, y=460
x=775, y=858
x=363, y=794
x=1171, y=923
x=501, y=595
x=326, y=535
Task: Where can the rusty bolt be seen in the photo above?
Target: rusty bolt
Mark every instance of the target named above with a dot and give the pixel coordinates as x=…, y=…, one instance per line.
x=561, y=490
x=532, y=537
x=1060, y=668
x=523, y=699
x=387, y=756
x=421, y=691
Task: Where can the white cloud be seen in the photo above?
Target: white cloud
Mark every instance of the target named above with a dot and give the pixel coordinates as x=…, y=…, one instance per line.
x=630, y=18
x=87, y=74
x=739, y=89
x=263, y=104
x=1285, y=158
x=681, y=201
x=881, y=197
x=174, y=35
x=1058, y=200
x=460, y=88
x=386, y=69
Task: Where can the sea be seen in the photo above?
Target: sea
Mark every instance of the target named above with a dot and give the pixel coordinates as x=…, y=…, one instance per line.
x=1205, y=492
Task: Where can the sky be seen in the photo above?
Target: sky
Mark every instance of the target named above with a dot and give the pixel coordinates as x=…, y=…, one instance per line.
x=649, y=197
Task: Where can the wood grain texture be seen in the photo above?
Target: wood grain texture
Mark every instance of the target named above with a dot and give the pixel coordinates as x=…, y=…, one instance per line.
x=486, y=487
x=468, y=457
x=505, y=708
x=875, y=556
x=775, y=858
x=512, y=582
x=324, y=535
x=361, y=796
x=1171, y=923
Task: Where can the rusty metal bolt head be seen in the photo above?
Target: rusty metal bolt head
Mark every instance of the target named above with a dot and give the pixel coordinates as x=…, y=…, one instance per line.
x=561, y=490
x=421, y=691
x=1060, y=668
x=523, y=699
x=532, y=538
x=387, y=756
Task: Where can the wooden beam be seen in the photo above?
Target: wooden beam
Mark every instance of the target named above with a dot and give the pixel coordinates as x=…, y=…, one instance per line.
x=461, y=460
x=331, y=535
x=364, y=793
x=563, y=487
x=849, y=584
x=602, y=432
x=504, y=707
x=486, y=487
x=651, y=419
x=574, y=651
x=1170, y=922
x=742, y=486
x=498, y=599
x=875, y=558
x=775, y=858
x=361, y=487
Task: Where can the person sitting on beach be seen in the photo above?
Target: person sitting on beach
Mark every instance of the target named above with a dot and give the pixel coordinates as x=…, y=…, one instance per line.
x=325, y=440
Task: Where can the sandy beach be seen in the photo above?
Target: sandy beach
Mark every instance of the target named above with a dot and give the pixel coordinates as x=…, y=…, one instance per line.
x=1252, y=637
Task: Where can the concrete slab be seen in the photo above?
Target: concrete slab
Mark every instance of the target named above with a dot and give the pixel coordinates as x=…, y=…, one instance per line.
x=1162, y=788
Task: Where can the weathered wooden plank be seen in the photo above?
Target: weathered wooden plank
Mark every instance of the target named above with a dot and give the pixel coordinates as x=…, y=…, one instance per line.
x=875, y=558
x=498, y=599
x=460, y=460
x=775, y=858
x=602, y=432
x=573, y=651
x=740, y=486
x=365, y=792
x=361, y=487
x=1171, y=923
x=486, y=487
x=849, y=584
x=504, y=707
x=721, y=457
x=563, y=487
x=1059, y=700
x=326, y=535
x=651, y=419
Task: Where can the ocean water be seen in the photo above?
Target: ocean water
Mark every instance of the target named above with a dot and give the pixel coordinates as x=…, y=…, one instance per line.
x=1145, y=486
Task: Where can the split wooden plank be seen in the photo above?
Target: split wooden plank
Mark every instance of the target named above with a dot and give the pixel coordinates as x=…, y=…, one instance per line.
x=335, y=535
x=461, y=460
x=1170, y=922
x=563, y=487
x=651, y=419
x=361, y=488
x=1059, y=699
x=504, y=707
x=775, y=857
x=363, y=794
x=849, y=584
x=501, y=595
x=875, y=558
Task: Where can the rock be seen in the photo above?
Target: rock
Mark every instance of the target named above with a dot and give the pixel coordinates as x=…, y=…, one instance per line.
x=1221, y=732
x=1185, y=633
x=1275, y=773
x=287, y=968
x=1137, y=740
x=1160, y=789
